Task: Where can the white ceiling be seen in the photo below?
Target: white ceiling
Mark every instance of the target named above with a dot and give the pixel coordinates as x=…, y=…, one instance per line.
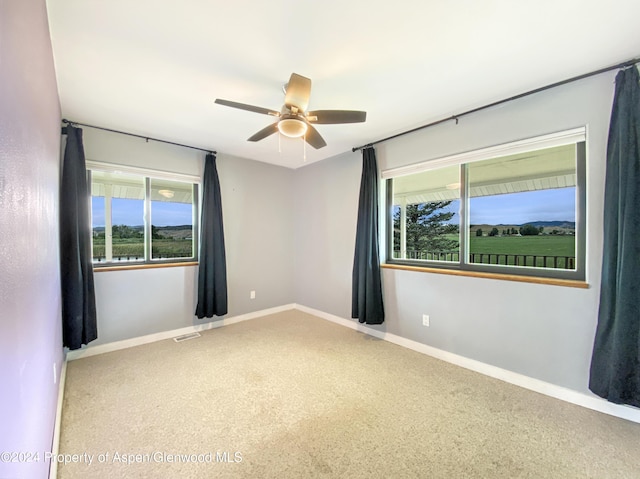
x=154, y=67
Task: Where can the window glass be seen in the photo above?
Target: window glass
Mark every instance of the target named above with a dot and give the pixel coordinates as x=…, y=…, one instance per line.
x=118, y=216
x=97, y=227
x=426, y=218
x=522, y=209
x=171, y=219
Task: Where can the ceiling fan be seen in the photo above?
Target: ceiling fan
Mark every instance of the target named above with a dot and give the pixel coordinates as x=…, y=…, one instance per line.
x=293, y=119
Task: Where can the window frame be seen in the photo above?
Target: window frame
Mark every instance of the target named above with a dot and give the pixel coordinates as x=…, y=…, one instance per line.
x=577, y=136
x=147, y=174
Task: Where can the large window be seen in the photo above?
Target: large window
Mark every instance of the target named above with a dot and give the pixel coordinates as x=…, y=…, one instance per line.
x=142, y=218
x=516, y=209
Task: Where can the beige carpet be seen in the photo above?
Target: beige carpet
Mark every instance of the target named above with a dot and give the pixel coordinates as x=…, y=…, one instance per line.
x=294, y=396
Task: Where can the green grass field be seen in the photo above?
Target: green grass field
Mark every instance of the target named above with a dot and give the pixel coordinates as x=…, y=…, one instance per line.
x=133, y=249
x=532, y=246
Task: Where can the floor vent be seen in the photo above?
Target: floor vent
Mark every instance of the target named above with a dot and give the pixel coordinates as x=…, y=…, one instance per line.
x=185, y=337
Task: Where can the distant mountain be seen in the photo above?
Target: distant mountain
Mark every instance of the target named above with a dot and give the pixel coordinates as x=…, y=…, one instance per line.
x=549, y=227
x=545, y=224
x=100, y=229
x=553, y=224
x=175, y=228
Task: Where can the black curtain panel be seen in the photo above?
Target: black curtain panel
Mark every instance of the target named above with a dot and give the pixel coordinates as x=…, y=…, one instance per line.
x=366, y=303
x=615, y=364
x=78, y=296
x=212, y=273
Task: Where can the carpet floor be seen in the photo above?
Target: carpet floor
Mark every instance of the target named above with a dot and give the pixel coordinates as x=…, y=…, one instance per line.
x=294, y=396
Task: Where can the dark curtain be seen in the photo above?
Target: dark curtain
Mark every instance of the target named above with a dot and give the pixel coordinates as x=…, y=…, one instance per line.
x=78, y=297
x=366, y=302
x=615, y=364
x=212, y=273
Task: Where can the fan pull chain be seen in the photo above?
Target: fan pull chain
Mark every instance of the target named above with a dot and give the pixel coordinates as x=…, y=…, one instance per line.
x=304, y=147
x=279, y=140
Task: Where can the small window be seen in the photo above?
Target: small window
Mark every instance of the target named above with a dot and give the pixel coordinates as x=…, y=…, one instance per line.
x=516, y=209
x=142, y=219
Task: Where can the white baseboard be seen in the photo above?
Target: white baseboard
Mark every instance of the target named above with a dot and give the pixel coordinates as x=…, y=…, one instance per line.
x=55, y=446
x=542, y=387
x=151, y=338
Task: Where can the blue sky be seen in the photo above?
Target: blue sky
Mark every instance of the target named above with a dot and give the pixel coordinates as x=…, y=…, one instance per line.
x=131, y=212
x=520, y=208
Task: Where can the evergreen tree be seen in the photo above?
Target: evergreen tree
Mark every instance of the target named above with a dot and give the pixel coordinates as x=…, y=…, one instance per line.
x=427, y=227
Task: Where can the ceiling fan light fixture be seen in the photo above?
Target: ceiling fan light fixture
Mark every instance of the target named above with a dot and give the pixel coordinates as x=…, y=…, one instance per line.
x=292, y=127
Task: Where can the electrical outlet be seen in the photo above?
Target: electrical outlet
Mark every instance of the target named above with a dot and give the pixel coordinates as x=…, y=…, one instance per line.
x=425, y=320
x=252, y=295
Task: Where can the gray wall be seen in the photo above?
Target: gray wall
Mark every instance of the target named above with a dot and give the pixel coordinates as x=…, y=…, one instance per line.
x=326, y=207
x=258, y=220
x=30, y=327
x=544, y=332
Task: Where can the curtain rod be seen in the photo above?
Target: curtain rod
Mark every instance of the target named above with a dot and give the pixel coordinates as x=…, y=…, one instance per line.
x=455, y=118
x=136, y=136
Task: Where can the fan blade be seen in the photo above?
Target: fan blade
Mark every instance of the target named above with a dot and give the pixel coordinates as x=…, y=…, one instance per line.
x=265, y=132
x=328, y=117
x=298, y=92
x=243, y=106
x=313, y=138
